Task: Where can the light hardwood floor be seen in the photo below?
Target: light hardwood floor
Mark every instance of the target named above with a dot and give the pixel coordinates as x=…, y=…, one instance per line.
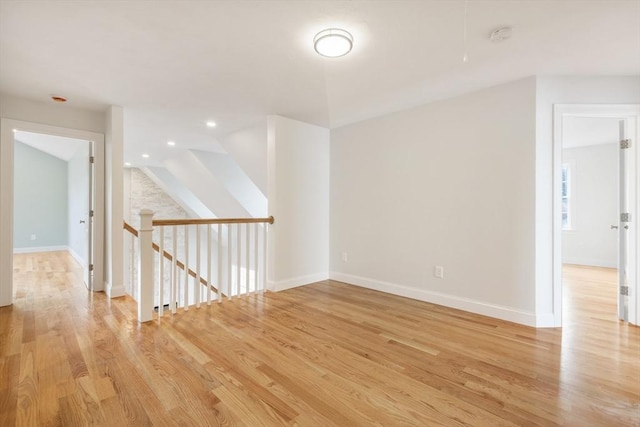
x=320, y=355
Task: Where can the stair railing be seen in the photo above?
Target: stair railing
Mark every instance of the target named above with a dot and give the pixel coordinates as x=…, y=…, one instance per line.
x=230, y=261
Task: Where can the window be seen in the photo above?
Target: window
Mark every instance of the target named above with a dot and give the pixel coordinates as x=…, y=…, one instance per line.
x=567, y=217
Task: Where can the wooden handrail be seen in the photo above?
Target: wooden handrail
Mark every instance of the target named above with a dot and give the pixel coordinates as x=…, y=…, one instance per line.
x=131, y=230
x=168, y=256
x=204, y=221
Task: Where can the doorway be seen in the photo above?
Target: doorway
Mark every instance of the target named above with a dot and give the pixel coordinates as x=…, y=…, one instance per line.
x=94, y=248
x=53, y=204
x=595, y=187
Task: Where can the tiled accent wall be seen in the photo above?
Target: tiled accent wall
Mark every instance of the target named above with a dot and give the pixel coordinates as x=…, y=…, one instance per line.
x=145, y=194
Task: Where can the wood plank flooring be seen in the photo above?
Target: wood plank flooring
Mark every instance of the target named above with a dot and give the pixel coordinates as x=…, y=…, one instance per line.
x=321, y=355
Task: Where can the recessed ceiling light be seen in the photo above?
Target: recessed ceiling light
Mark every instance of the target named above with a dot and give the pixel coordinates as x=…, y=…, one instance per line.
x=211, y=124
x=333, y=42
x=127, y=164
x=171, y=143
x=58, y=98
x=145, y=155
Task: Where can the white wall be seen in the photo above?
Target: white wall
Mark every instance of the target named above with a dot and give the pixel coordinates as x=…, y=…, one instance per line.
x=114, y=212
x=235, y=180
x=249, y=148
x=78, y=203
x=189, y=170
x=595, y=198
x=563, y=90
x=298, y=195
x=451, y=184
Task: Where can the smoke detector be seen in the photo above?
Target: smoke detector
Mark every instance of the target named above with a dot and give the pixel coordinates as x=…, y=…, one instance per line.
x=500, y=34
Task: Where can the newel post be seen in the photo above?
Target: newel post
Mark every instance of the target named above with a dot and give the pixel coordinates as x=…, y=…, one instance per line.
x=145, y=267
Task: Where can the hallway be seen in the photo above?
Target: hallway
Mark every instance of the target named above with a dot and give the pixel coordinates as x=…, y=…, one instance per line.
x=324, y=354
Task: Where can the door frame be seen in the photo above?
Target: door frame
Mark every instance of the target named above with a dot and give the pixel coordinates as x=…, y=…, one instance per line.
x=7, y=127
x=630, y=113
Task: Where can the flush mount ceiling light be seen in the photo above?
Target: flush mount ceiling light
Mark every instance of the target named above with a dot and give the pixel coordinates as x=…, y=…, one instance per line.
x=146, y=156
x=58, y=98
x=211, y=124
x=171, y=143
x=333, y=42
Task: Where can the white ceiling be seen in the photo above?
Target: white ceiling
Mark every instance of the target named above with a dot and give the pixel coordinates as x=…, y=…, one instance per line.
x=58, y=146
x=175, y=64
x=586, y=131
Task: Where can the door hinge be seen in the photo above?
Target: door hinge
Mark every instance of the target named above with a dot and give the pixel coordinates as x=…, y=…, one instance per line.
x=91, y=213
x=625, y=217
x=92, y=159
x=624, y=291
x=90, y=267
x=625, y=143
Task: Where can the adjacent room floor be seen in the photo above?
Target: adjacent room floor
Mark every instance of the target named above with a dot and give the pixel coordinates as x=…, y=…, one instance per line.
x=320, y=355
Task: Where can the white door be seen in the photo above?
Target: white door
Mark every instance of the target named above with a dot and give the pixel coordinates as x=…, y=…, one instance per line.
x=625, y=268
x=89, y=223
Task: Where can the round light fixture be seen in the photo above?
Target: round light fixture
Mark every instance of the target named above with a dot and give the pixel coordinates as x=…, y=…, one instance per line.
x=333, y=42
x=211, y=124
x=146, y=156
x=127, y=164
x=58, y=98
x=171, y=143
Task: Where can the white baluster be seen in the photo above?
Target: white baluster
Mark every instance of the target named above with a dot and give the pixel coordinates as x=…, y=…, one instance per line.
x=239, y=255
x=256, y=228
x=229, y=256
x=219, y=263
x=161, y=274
x=247, y=228
x=186, y=268
x=174, y=269
x=264, y=257
x=209, y=255
x=197, y=290
x=145, y=267
x=132, y=282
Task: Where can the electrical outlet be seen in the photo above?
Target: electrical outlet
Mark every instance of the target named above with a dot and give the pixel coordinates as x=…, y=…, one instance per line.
x=344, y=257
x=33, y=237
x=438, y=271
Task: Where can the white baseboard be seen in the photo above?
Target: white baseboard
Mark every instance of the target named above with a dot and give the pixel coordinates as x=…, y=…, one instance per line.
x=591, y=262
x=115, y=291
x=77, y=257
x=40, y=249
x=478, y=307
x=296, y=281
x=547, y=320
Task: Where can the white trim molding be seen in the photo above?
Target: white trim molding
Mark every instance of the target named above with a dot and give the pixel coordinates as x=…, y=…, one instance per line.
x=7, y=126
x=114, y=291
x=43, y=249
x=295, y=282
x=631, y=114
x=590, y=262
x=478, y=307
x=77, y=257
